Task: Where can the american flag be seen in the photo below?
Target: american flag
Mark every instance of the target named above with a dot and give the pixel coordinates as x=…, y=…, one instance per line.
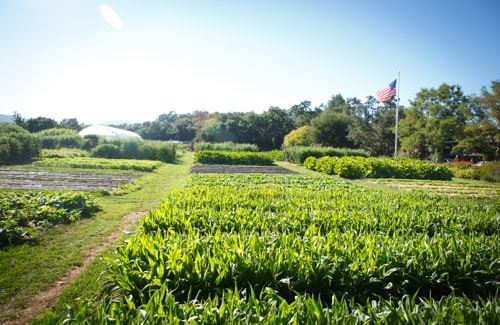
x=387, y=93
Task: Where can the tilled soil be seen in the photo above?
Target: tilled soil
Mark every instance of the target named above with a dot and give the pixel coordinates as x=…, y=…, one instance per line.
x=23, y=179
x=230, y=169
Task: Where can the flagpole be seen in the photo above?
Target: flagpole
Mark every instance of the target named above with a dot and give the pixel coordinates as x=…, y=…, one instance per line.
x=397, y=118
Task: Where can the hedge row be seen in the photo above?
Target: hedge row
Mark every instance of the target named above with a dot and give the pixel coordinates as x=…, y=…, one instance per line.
x=17, y=145
x=228, y=145
x=220, y=157
x=359, y=167
x=298, y=154
x=136, y=149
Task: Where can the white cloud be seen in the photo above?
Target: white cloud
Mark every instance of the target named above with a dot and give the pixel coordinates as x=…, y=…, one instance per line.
x=110, y=16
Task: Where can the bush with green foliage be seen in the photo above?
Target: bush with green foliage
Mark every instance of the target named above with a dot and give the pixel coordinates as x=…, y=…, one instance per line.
x=359, y=167
x=298, y=154
x=221, y=157
x=228, y=146
x=299, y=137
x=17, y=145
x=89, y=142
x=489, y=172
x=56, y=138
x=106, y=150
x=276, y=155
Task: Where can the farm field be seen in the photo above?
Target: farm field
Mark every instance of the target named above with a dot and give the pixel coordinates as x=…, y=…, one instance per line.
x=250, y=248
x=33, y=277
x=277, y=249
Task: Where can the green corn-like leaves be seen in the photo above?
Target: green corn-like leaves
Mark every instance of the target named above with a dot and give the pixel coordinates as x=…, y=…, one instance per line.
x=305, y=249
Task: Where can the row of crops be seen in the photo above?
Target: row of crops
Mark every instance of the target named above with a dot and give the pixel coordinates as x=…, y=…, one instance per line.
x=303, y=249
x=224, y=157
x=361, y=167
x=99, y=164
x=23, y=214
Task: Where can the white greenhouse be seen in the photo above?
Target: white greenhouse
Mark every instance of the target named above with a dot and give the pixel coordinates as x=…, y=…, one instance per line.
x=109, y=133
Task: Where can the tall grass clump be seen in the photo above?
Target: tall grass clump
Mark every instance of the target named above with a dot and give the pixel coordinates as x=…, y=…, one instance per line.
x=17, y=145
x=135, y=149
x=57, y=138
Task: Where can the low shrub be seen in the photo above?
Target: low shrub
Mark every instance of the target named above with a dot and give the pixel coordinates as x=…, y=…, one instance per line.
x=490, y=172
x=275, y=155
x=227, y=146
x=221, y=157
x=106, y=150
x=298, y=155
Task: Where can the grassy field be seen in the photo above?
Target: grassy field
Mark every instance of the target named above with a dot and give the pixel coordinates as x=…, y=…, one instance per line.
x=66, y=246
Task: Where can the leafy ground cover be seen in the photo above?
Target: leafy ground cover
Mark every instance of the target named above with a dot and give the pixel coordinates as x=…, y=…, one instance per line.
x=98, y=163
x=303, y=249
x=24, y=214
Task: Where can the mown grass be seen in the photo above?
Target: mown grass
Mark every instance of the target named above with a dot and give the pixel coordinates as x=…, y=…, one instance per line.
x=28, y=269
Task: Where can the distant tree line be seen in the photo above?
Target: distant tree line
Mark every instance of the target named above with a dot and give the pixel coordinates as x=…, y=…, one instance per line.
x=439, y=123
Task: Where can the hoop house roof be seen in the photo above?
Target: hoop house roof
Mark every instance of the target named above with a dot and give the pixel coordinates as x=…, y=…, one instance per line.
x=109, y=133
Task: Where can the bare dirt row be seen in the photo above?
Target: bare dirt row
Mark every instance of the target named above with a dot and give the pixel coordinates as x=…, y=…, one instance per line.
x=23, y=179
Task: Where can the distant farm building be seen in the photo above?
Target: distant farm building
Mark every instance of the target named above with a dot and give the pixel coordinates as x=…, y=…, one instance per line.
x=109, y=133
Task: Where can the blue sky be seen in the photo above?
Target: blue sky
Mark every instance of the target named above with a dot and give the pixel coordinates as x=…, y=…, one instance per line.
x=63, y=59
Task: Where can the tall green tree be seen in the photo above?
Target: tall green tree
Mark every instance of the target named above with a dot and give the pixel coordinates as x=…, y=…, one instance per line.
x=331, y=129
x=302, y=114
x=482, y=129
x=40, y=123
x=441, y=114
x=70, y=123
x=183, y=129
x=277, y=124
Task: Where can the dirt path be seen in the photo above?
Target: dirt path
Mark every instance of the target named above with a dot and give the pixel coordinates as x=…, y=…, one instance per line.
x=47, y=298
